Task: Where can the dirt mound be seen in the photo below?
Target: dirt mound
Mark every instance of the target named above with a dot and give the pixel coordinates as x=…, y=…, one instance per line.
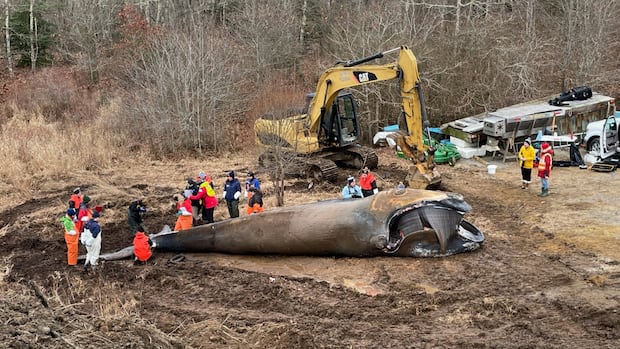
x=548, y=274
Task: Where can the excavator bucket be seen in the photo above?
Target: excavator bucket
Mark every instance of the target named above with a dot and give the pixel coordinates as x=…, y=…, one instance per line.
x=420, y=177
x=422, y=174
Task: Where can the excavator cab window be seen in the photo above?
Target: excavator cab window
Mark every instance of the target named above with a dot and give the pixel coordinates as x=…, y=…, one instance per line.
x=340, y=124
x=348, y=119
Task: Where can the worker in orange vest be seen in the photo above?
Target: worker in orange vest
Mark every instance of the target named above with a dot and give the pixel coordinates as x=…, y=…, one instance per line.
x=184, y=212
x=142, y=247
x=544, y=167
x=76, y=199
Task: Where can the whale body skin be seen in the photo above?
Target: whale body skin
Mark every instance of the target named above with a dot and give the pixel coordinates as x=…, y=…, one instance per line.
x=406, y=222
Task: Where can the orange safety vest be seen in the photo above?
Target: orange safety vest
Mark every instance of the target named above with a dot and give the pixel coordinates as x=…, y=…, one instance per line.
x=77, y=201
x=141, y=247
x=542, y=164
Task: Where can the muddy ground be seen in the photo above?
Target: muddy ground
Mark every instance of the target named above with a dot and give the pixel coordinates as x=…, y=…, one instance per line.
x=548, y=275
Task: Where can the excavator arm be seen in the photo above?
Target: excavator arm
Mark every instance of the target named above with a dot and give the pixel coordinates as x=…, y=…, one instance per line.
x=405, y=69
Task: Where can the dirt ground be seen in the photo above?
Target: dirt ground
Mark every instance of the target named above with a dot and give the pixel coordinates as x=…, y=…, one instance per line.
x=548, y=275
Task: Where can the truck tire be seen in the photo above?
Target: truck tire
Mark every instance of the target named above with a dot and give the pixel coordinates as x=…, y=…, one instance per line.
x=594, y=144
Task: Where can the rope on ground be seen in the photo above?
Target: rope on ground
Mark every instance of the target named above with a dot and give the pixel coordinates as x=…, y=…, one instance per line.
x=177, y=259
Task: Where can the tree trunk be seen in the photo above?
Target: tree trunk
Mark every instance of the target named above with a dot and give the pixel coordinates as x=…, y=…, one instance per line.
x=32, y=36
x=529, y=19
x=304, y=8
x=8, y=38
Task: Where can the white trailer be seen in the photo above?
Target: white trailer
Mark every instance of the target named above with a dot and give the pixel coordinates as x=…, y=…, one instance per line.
x=507, y=127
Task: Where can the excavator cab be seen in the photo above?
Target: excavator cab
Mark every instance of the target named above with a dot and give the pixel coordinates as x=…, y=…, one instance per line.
x=340, y=124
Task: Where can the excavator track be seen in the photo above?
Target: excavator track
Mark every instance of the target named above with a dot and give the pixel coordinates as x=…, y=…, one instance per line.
x=366, y=157
x=321, y=169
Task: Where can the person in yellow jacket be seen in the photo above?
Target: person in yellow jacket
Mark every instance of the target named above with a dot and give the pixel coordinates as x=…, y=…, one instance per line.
x=207, y=196
x=527, y=154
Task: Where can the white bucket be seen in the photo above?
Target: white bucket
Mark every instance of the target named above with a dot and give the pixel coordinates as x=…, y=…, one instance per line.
x=491, y=169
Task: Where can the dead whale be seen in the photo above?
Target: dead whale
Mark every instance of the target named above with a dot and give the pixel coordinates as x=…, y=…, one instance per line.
x=406, y=223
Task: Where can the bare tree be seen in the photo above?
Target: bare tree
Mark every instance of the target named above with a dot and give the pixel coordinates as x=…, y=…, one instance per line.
x=270, y=31
x=86, y=32
x=7, y=37
x=33, y=37
x=185, y=90
x=587, y=39
x=278, y=160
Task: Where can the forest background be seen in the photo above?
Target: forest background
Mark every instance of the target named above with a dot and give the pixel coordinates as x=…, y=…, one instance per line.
x=94, y=83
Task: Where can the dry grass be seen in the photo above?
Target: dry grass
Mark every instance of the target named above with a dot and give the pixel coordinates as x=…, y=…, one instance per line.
x=34, y=148
x=5, y=268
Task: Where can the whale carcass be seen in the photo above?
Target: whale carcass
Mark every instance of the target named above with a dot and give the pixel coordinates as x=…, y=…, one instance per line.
x=406, y=222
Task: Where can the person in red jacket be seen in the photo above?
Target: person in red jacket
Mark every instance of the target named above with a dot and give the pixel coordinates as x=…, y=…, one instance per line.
x=84, y=214
x=207, y=195
x=544, y=167
x=142, y=247
x=368, y=183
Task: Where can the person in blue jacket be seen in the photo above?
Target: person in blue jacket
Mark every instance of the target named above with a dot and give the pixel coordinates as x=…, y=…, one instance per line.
x=232, y=193
x=351, y=190
x=251, y=182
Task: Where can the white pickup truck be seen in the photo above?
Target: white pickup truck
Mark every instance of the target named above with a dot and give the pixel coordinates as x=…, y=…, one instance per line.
x=601, y=138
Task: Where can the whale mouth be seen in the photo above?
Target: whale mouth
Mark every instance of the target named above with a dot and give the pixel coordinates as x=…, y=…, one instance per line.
x=435, y=228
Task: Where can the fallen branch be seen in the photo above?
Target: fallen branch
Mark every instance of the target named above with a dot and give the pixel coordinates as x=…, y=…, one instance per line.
x=39, y=294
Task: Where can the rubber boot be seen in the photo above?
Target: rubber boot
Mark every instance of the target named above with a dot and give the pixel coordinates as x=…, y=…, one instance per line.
x=544, y=193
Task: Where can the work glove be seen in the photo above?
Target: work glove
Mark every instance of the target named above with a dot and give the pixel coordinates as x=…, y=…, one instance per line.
x=223, y=195
x=375, y=191
x=153, y=245
x=71, y=232
x=237, y=195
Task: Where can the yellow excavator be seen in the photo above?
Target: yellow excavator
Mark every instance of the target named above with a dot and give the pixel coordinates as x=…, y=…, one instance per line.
x=325, y=136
